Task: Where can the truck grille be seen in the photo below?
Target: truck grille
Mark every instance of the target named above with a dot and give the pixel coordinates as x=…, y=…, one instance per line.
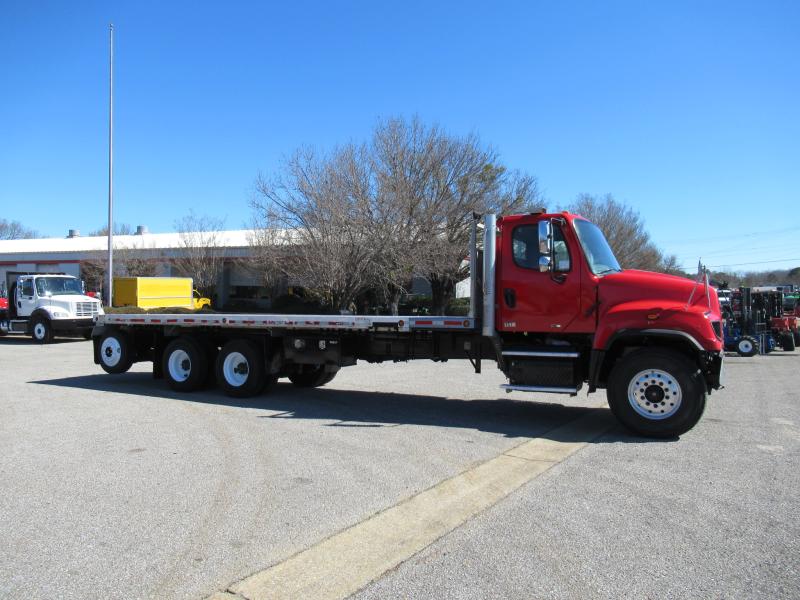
x=86, y=309
x=717, y=326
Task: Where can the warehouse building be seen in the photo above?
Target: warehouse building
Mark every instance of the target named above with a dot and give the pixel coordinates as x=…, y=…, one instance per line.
x=84, y=257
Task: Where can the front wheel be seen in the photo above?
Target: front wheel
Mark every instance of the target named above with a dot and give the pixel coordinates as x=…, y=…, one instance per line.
x=42, y=331
x=656, y=393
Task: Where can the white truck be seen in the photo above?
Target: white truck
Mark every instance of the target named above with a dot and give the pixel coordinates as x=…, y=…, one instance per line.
x=43, y=305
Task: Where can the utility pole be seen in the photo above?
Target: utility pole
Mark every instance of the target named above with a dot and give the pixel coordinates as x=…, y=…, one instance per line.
x=110, y=275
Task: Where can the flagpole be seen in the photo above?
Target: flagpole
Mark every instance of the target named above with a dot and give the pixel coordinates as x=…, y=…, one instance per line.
x=110, y=274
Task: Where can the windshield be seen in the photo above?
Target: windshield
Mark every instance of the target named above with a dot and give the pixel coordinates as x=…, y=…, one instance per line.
x=598, y=253
x=58, y=286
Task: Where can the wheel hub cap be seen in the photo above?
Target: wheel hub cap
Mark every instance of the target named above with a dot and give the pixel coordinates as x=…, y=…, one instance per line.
x=235, y=369
x=111, y=351
x=654, y=394
x=180, y=365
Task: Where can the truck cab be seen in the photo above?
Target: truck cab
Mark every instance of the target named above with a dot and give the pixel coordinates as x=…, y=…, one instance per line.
x=567, y=314
x=44, y=305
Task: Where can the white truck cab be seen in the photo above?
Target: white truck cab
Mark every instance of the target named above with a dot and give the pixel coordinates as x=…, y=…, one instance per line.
x=43, y=305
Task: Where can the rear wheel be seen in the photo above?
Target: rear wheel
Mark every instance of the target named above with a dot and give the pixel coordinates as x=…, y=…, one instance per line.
x=240, y=369
x=116, y=355
x=185, y=364
x=796, y=336
x=787, y=341
x=747, y=346
x=42, y=330
x=312, y=376
x=656, y=393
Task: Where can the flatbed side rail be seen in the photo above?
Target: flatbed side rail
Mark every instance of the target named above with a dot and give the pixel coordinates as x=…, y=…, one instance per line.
x=295, y=322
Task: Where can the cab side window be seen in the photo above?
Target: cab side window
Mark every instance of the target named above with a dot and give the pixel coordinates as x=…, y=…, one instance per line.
x=27, y=287
x=525, y=243
x=525, y=246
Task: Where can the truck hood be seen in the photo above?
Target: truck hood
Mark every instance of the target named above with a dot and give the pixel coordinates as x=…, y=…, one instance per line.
x=660, y=290
x=67, y=303
x=66, y=299
x=641, y=300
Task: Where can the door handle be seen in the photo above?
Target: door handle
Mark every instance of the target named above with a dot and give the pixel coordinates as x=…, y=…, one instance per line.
x=510, y=297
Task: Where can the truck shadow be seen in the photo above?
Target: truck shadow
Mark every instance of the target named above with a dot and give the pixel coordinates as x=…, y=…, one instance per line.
x=21, y=340
x=353, y=408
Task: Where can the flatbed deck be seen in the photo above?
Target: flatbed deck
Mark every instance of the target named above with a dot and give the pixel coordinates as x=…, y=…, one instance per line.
x=400, y=323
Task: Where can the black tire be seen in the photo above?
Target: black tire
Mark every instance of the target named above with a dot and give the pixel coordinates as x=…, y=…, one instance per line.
x=747, y=346
x=671, y=399
x=115, y=352
x=185, y=364
x=787, y=341
x=42, y=330
x=796, y=337
x=240, y=369
x=312, y=376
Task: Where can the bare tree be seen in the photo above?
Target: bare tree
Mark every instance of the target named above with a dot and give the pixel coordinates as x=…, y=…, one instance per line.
x=369, y=217
x=119, y=229
x=435, y=181
x=624, y=228
x=202, y=252
x=14, y=230
x=313, y=224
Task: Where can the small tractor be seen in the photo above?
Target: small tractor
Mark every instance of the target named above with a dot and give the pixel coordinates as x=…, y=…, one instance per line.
x=755, y=321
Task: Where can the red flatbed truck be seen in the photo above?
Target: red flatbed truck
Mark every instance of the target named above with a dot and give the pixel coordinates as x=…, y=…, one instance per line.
x=550, y=305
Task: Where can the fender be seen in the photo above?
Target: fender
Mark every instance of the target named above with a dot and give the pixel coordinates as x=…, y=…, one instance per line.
x=662, y=319
x=40, y=312
x=598, y=355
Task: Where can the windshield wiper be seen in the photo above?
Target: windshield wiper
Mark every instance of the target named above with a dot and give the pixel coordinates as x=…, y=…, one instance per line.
x=609, y=270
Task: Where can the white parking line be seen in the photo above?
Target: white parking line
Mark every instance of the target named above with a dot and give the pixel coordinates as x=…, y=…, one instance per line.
x=349, y=560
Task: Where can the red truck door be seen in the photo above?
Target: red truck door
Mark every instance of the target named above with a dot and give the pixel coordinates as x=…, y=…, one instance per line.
x=528, y=299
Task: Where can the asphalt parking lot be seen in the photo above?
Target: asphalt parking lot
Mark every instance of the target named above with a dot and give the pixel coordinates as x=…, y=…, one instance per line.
x=114, y=486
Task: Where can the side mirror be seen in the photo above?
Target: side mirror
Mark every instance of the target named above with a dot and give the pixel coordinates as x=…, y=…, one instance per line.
x=545, y=238
x=545, y=246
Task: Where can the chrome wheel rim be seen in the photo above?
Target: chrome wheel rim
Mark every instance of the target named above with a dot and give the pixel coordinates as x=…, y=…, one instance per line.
x=110, y=351
x=745, y=346
x=179, y=365
x=236, y=369
x=39, y=330
x=654, y=394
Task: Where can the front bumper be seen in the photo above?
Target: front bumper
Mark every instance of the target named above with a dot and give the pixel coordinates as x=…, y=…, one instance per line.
x=714, y=369
x=78, y=325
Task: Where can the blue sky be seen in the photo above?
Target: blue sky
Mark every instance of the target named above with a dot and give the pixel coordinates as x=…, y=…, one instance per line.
x=687, y=111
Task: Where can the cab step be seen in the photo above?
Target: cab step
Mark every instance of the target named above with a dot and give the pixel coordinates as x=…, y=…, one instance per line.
x=541, y=353
x=510, y=387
